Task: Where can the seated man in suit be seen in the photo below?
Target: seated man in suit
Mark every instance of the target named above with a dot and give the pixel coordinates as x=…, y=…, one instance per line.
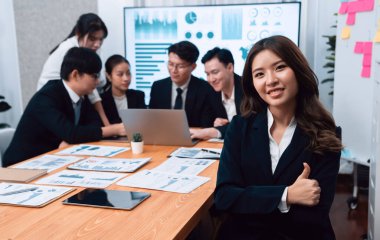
x=182, y=90
x=60, y=112
x=219, y=68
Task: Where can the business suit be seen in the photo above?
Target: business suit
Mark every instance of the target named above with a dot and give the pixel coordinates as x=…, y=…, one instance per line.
x=250, y=194
x=48, y=120
x=198, y=100
x=135, y=99
x=221, y=110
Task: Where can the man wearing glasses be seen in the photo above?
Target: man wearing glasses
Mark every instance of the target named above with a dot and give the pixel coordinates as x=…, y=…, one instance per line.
x=182, y=90
x=60, y=112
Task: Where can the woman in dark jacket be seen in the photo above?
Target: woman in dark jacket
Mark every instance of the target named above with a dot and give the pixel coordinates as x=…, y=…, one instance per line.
x=117, y=95
x=278, y=168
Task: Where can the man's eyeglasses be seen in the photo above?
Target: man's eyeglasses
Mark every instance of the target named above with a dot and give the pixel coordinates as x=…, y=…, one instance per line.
x=180, y=67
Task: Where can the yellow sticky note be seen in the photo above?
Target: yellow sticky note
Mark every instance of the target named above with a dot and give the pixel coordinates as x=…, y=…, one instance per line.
x=377, y=37
x=346, y=32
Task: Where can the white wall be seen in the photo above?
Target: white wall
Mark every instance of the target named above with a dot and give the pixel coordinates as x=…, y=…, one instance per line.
x=9, y=66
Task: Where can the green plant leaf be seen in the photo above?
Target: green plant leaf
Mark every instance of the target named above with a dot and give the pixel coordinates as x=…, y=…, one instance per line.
x=4, y=125
x=327, y=80
x=4, y=106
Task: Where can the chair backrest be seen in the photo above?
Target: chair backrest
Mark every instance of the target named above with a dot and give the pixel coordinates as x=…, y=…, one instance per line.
x=6, y=135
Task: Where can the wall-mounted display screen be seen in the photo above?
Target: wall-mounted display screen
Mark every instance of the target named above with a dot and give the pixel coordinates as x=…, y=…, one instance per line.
x=150, y=31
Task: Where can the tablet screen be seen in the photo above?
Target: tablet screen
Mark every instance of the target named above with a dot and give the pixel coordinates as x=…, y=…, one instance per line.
x=116, y=199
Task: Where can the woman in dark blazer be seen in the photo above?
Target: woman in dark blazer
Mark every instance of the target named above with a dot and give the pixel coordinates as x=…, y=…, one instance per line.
x=278, y=168
x=117, y=95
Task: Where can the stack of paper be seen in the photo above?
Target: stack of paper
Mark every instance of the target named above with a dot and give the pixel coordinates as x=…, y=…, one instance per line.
x=110, y=164
x=208, y=153
x=48, y=162
x=29, y=194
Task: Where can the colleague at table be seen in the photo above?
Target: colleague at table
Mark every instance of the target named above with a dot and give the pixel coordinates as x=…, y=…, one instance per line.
x=278, y=168
x=89, y=32
x=219, y=68
x=60, y=112
x=182, y=90
x=118, y=96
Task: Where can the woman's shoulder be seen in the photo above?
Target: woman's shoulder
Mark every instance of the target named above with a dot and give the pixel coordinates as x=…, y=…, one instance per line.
x=135, y=92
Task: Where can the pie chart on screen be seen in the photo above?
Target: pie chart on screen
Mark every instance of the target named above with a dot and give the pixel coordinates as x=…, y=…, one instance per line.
x=191, y=17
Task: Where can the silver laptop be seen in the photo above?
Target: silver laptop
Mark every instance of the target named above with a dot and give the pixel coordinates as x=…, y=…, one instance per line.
x=158, y=126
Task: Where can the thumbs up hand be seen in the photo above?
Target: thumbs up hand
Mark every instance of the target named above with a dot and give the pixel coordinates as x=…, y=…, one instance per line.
x=304, y=191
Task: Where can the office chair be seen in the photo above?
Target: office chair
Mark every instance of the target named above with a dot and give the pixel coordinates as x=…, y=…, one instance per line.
x=6, y=135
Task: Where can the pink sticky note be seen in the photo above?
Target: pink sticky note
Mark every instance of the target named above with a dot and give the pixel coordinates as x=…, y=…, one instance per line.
x=360, y=6
x=350, y=19
x=367, y=48
x=366, y=72
x=367, y=60
x=370, y=5
x=343, y=8
x=359, y=47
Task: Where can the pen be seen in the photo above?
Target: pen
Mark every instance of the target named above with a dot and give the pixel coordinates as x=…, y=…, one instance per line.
x=209, y=151
x=18, y=191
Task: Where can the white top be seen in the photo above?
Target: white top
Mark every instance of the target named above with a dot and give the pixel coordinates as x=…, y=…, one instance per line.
x=229, y=104
x=276, y=150
x=121, y=103
x=52, y=66
x=184, y=88
x=73, y=96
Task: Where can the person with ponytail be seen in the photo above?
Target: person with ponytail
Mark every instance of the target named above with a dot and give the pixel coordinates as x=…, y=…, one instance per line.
x=117, y=95
x=280, y=160
x=88, y=32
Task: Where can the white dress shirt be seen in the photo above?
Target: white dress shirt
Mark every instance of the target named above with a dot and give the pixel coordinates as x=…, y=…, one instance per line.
x=184, y=88
x=74, y=100
x=276, y=150
x=52, y=66
x=229, y=104
x=121, y=103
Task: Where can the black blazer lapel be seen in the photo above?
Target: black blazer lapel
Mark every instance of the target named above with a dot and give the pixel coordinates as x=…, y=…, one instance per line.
x=260, y=140
x=296, y=147
x=238, y=93
x=191, y=94
x=167, y=94
x=68, y=104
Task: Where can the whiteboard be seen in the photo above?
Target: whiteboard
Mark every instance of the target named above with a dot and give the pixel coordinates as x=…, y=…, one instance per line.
x=354, y=94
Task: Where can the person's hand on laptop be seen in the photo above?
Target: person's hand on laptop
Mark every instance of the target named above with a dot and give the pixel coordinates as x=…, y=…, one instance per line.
x=220, y=122
x=205, y=133
x=114, y=130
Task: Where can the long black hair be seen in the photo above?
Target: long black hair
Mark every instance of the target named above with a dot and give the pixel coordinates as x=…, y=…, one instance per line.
x=87, y=23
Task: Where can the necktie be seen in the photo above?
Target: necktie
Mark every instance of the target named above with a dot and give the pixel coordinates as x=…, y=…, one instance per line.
x=77, y=107
x=178, y=99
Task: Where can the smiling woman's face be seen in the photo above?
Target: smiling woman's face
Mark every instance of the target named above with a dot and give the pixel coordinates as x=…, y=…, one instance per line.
x=274, y=80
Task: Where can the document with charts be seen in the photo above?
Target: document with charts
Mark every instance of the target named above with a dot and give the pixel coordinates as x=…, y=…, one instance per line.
x=188, y=166
x=208, y=153
x=110, y=164
x=48, y=162
x=164, y=181
x=93, y=150
x=82, y=179
x=30, y=195
x=216, y=140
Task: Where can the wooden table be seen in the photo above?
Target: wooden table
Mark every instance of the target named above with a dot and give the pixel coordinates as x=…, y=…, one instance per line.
x=164, y=215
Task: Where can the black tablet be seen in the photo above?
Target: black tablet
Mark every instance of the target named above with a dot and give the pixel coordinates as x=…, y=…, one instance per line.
x=115, y=199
